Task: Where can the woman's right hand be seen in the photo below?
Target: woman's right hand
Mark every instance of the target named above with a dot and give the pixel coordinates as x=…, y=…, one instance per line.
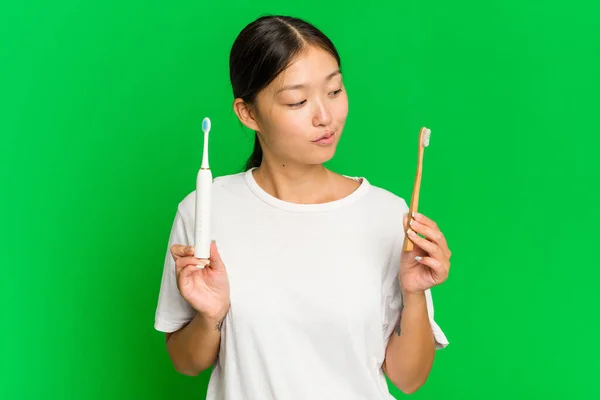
x=205, y=289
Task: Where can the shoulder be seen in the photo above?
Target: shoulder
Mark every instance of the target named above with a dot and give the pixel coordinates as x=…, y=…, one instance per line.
x=393, y=201
x=383, y=215
x=379, y=205
x=222, y=185
x=389, y=208
x=383, y=200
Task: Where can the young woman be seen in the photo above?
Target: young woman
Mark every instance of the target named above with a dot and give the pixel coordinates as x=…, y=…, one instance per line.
x=307, y=293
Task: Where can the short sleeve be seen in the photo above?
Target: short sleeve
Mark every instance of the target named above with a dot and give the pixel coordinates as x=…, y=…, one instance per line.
x=172, y=311
x=392, y=295
x=393, y=306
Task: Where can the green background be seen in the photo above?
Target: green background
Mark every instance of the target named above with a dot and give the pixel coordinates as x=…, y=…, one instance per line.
x=100, y=139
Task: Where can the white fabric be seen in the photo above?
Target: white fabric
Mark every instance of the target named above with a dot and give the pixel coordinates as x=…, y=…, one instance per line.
x=314, y=291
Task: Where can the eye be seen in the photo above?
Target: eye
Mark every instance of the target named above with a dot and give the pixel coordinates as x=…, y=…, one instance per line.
x=336, y=92
x=296, y=104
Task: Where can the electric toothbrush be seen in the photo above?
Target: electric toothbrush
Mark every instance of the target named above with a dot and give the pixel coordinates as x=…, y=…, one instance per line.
x=203, y=202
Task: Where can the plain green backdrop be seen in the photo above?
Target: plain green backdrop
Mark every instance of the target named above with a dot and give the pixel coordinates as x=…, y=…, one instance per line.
x=101, y=108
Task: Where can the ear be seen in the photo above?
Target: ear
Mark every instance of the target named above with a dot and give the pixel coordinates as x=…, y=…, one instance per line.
x=245, y=114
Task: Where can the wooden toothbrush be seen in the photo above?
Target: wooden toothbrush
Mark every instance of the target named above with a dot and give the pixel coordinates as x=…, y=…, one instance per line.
x=424, y=136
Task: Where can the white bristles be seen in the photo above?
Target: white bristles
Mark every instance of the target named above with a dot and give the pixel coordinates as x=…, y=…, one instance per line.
x=426, y=136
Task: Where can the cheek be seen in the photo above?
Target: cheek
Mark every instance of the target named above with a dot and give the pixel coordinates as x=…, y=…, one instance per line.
x=279, y=124
x=286, y=128
x=292, y=124
x=340, y=108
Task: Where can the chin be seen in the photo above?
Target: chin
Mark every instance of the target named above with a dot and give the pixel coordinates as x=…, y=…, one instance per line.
x=326, y=155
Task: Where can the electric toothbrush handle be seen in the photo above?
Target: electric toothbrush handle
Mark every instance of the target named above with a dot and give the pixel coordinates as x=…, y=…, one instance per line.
x=202, y=237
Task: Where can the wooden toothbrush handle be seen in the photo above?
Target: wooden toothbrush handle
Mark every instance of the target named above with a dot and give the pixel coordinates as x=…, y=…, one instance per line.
x=414, y=201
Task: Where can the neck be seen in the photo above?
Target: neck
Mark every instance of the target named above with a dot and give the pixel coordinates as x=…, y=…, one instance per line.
x=301, y=184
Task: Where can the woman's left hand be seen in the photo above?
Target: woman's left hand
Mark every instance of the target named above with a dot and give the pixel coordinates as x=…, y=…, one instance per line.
x=428, y=264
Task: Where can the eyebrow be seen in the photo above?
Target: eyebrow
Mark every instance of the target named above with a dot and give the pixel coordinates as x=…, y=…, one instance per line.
x=302, y=86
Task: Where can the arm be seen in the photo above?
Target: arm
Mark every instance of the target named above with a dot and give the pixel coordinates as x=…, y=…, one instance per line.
x=194, y=348
x=411, y=349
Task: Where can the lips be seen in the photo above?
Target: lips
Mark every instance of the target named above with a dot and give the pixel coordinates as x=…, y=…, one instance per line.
x=325, y=136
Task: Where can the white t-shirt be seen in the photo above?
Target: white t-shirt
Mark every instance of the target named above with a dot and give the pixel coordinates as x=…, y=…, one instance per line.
x=314, y=291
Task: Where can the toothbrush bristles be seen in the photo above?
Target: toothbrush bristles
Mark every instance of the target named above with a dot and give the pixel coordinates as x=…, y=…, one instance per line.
x=206, y=125
x=426, y=136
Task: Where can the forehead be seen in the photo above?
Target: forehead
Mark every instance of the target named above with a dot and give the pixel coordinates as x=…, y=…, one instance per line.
x=311, y=65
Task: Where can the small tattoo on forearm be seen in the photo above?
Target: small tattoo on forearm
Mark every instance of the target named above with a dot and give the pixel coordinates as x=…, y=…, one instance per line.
x=219, y=325
x=398, y=328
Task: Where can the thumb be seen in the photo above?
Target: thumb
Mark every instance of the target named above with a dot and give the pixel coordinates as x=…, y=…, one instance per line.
x=405, y=220
x=215, y=257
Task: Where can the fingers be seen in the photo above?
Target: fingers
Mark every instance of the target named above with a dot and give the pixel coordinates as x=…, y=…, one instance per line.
x=185, y=272
x=214, y=261
x=215, y=257
x=424, y=220
x=184, y=256
x=429, y=247
x=439, y=268
x=184, y=262
x=434, y=234
x=428, y=228
x=180, y=250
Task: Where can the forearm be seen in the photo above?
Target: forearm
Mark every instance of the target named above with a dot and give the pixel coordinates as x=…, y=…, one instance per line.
x=411, y=348
x=194, y=348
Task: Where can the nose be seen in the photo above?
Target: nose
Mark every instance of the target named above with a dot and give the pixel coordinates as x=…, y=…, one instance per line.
x=321, y=114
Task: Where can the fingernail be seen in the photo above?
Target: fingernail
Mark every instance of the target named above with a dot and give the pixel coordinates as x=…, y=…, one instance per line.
x=418, y=258
x=410, y=232
x=413, y=222
x=190, y=249
x=416, y=214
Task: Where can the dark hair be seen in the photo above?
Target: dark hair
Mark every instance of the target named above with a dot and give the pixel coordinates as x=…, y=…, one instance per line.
x=262, y=50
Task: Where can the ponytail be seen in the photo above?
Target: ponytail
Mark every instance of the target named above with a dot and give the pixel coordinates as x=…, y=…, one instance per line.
x=256, y=156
